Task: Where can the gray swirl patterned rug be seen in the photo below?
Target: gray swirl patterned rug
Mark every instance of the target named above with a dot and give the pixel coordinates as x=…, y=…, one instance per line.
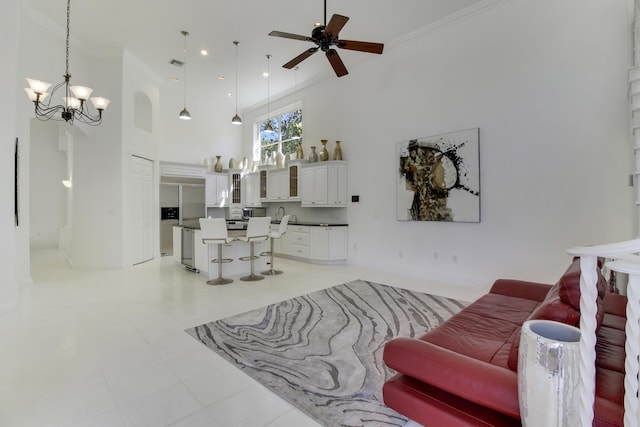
x=322, y=351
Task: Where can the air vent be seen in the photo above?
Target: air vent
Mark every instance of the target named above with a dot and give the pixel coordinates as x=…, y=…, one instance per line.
x=176, y=63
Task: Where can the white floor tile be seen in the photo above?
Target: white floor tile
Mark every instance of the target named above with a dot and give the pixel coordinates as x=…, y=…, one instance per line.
x=264, y=408
x=161, y=408
x=108, y=348
x=215, y=385
x=137, y=378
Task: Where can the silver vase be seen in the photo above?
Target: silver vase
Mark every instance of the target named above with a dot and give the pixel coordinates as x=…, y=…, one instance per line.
x=548, y=374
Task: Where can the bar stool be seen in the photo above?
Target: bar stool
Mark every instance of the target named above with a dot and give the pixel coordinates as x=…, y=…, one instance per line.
x=214, y=231
x=257, y=231
x=281, y=231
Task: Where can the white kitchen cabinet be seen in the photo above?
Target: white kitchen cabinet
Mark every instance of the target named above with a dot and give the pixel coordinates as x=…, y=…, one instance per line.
x=252, y=189
x=216, y=190
x=177, y=244
x=324, y=184
x=328, y=243
x=278, y=185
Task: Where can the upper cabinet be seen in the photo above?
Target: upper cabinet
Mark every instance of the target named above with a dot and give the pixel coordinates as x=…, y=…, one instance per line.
x=283, y=184
x=252, y=189
x=235, y=191
x=324, y=184
x=217, y=190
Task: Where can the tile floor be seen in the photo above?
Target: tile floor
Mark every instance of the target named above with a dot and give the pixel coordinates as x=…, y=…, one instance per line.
x=108, y=348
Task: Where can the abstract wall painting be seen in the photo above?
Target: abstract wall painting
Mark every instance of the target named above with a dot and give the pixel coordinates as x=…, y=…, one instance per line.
x=438, y=178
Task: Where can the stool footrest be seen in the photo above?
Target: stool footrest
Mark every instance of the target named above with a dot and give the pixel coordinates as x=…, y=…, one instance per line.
x=224, y=260
x=248, y=258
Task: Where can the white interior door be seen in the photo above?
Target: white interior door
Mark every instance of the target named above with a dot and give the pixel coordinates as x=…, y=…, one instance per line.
x=142, y=195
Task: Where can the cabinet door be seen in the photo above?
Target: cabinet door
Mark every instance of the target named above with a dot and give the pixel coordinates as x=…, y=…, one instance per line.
x=337, y=243
x=293, y=190
x=222, y=190
x=337, y=184
x=252, y=189
x=235, y=191
x=306, y=190
x=263, y=185
x=216, y=190
x=320, y=185
x=319, y=243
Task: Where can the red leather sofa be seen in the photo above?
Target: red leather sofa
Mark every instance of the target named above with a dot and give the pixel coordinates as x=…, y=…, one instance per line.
x=464, y=372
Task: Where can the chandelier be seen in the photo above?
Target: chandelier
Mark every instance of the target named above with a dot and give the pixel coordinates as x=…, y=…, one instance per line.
x=75, y=105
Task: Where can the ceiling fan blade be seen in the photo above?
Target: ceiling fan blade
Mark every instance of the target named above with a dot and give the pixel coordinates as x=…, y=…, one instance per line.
x=361, y=46
x=335, y=25
x=290, y=36
x=298, y=59
x=336, y=63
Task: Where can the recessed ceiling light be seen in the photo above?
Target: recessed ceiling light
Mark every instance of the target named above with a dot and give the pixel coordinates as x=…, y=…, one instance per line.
x=174, y=78
x=265, y=74
x=204, y=52
x=220, y=77
x=229, y=94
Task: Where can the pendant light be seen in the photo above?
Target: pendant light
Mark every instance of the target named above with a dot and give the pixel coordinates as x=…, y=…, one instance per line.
x=184, y=114
x=296, y=134
x=236, y=120
x=268, y=127
x=75, y=105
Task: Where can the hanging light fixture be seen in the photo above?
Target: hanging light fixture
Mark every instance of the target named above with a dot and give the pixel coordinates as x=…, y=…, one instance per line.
x=236, y=120
x=268, y=127
x=184, y=114
x=75, y=98
x=296, y=134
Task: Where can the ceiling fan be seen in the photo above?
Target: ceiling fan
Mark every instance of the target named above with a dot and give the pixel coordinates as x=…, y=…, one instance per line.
x=326, y=37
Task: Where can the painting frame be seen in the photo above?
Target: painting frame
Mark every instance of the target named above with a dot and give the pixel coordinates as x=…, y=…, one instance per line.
x=438, y=178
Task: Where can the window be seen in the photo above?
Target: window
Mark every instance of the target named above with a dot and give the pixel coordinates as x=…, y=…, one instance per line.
x=286, y=127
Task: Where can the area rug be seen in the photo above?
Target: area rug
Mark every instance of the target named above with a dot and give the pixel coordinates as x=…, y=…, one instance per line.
x=322, y=352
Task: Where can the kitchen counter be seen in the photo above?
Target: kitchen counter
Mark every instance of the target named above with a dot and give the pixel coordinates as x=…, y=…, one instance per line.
x=314, y=223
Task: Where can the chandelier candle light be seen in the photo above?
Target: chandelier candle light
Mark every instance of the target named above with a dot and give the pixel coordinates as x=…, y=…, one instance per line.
x=75, y=98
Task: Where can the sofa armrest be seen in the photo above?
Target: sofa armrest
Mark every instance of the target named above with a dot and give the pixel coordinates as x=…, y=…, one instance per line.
x=520, y=289
x=476, y=381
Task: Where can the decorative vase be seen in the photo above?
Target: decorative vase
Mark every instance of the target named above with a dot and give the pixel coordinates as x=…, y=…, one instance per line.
x=299, y=151
x=548, y=374
x=313, y=157
x=218, y=165
x=279, y=160
x=337, y=151
x=287, y=158
x=244, y=163
x=324, y=154
x=232, y=163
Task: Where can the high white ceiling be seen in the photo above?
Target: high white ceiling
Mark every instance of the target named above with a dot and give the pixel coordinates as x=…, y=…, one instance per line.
x=150, y=29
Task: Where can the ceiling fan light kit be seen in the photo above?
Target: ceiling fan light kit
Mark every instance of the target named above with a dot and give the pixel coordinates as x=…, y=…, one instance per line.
x=326, y=37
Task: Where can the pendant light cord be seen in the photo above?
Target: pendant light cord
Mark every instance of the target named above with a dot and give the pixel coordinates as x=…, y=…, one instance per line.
x=67, y=43
x=184, y=70
x=236, y=43
x=268, y=79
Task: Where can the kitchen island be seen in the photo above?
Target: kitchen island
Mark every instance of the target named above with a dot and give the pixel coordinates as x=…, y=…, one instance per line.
x=307, y=241
x=203, y=254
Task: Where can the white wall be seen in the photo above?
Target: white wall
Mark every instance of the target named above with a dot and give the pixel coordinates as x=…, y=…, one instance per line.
x=48, y=197
x=9, y=288
x=545, y=82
